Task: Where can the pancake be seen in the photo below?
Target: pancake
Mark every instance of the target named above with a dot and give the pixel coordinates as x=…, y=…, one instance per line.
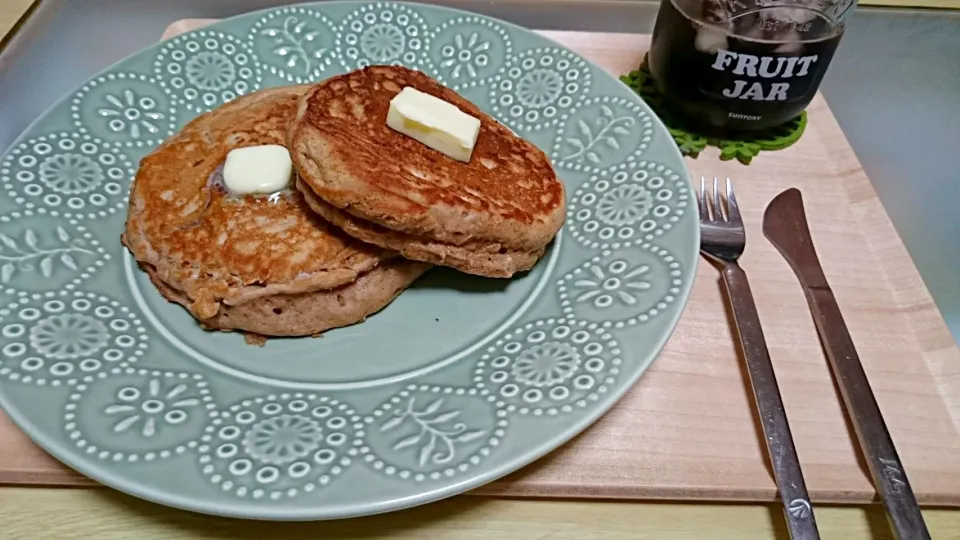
x=231, y=260
x=478, y=257
x=493, y=216
x=308, y=313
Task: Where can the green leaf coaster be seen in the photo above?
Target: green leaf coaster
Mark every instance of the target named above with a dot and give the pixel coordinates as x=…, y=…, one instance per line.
x=691, y=143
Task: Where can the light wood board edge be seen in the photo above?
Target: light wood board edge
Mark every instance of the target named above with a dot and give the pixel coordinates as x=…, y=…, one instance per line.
x=11, y=12
x=109, y=515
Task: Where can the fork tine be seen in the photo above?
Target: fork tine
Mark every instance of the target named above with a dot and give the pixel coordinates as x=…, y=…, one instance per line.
x=702, y=201
x=718, y=214
x=733, y=211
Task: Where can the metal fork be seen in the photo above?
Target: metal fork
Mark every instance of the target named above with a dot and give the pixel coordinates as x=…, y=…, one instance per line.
x=722, y=241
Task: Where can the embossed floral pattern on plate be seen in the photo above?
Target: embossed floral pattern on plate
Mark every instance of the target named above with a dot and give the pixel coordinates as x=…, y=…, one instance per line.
x=468, y=51
x=298, y=43
x=632, y=203
x=386, y=33
x=130, y=109
x=204, y=69
x=602, y=132
x=61, y=338
x=68, y=174
x=535, y=88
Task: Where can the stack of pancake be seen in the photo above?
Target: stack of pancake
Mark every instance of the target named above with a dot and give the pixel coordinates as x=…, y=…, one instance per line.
x=370, y=210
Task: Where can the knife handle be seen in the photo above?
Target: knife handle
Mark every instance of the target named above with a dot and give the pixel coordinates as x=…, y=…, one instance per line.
x=887, y=472
x=773, y=419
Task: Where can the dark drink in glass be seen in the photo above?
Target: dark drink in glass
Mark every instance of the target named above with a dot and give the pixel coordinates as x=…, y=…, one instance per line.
x=729, y=66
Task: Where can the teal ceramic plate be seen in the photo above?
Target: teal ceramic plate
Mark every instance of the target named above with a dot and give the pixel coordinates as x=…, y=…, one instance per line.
x=460, y=381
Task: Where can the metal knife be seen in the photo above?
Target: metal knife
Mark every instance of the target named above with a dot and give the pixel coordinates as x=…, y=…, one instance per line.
x=785, y=225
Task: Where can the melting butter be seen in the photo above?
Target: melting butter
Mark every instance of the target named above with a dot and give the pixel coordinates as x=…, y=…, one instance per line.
x=434, y=122
x=263, y=169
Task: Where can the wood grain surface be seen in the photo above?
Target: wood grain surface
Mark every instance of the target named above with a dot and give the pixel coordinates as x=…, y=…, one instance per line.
x=687, y=430
x=29, y=514
x=10, y=12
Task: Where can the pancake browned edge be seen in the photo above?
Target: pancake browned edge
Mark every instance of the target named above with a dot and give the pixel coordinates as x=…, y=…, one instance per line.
x=264, y=265
x=493, y=216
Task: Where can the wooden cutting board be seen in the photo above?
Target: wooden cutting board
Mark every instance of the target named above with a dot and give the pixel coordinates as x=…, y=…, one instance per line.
x=687, y=429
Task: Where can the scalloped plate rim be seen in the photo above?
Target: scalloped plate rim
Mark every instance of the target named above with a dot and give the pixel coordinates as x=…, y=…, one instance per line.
x=241, y=508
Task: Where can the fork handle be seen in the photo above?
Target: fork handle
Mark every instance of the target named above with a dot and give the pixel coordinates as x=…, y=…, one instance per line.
x=773, y=419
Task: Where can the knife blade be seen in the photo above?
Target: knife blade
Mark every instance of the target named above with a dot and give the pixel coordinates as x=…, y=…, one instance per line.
x=785, y=226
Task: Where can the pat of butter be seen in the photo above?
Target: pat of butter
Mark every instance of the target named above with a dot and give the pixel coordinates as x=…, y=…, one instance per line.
x=257, y=169
x=434, y=122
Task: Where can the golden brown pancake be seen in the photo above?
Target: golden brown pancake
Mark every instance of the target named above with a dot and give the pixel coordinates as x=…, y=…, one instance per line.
x=231, y=260
x=493, y=216
x=309, y=313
